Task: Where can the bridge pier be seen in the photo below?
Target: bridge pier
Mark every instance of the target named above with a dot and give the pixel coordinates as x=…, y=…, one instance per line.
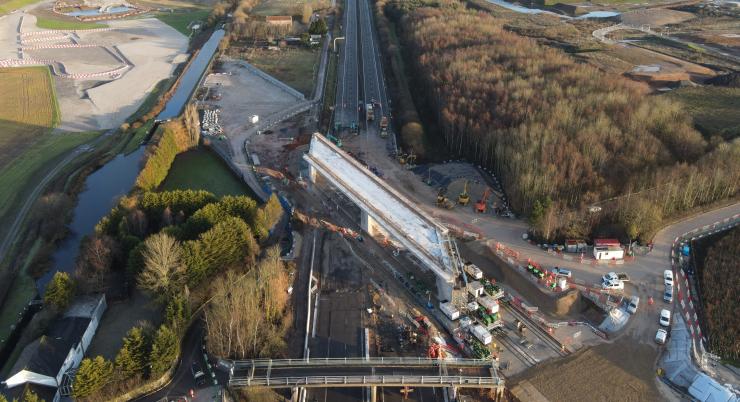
x=444, y=289
x=369, y=224
x=374, y=393
x=312, y=174
x=295, y=394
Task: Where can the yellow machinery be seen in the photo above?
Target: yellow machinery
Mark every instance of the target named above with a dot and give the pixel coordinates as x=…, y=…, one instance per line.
x=464, y=197
x=442, y=201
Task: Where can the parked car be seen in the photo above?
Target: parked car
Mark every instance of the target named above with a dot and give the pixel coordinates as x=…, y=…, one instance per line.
x=665, y=318
x=632, y=306
x=661, y=336
x=561, y=272
x=668, y=277
x=610, y=276
x=198, y=375
x=613, y=285
x=668, y=294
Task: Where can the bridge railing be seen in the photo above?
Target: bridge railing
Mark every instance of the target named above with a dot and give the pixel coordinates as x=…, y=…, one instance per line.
x=356, y=381
x=359, y=361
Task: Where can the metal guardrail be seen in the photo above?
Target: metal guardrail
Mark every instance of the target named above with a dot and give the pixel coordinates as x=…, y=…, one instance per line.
x=380, y=380
x=361, y=362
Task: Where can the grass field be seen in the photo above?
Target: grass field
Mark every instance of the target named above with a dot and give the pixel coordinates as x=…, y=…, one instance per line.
x=17, y=178
x=714, y=109
x=23, y=290
x=181, y=19
x=202, y=169
x=287, y=7
x=295, y=67
x=8, y=6
x=51, y=23
x=28, y=109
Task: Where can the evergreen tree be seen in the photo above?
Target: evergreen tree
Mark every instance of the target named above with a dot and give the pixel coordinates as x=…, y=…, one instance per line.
x=132, y=359
x=30, y=396
x=60, y=291
x=318, y=27
x=165, y=349
x=92, y=375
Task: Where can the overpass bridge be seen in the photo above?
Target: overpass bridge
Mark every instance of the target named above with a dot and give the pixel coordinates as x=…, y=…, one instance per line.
x=366, y=372
x=386, y=210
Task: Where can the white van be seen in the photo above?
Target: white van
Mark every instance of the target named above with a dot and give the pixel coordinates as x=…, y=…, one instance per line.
x=632, y=306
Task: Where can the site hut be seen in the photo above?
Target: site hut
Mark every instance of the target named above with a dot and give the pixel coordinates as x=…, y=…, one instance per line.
x=476, y=289
x=575, y=246
x=47, y=365
x=607, y=249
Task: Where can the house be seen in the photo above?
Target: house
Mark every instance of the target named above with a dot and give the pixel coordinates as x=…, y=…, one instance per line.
x=280, y=20
x=46, y=364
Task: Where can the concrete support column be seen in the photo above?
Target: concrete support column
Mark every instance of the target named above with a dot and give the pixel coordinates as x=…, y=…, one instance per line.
x=295, y=394
x=452, y=392
x=374, y=393
x=369, y=224
x=444, y=289
x=312, y=174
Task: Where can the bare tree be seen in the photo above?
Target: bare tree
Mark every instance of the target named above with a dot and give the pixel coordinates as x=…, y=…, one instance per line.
x=163, y=268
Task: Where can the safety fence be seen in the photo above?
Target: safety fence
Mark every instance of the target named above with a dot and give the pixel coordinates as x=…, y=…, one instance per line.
x=359, y=380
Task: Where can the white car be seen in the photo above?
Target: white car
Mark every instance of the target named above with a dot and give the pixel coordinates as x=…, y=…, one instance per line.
x=610, y=276
x=632, y=306
x=613, y=285
x=661, y=336
x=562, y=272
x=668, y=295
x=668, y=277
x=665, y=318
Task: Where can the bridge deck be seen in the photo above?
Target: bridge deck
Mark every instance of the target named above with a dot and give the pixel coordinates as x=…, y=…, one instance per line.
x=393, y=210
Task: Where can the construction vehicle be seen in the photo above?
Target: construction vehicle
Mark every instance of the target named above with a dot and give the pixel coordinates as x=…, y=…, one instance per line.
x=337, y=141
x=442, y=201
x=369, y=113
x=464, y=198
x=384, y=127
x=481, y=205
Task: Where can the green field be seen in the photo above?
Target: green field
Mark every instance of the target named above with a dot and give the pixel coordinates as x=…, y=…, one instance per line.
x=50, y=23
x=18, y=178
x=23, y=290
x=8, y=6
x=202, y=169
x=714, y=109
x=287, y=7
x=180, y=19
x=295, y=66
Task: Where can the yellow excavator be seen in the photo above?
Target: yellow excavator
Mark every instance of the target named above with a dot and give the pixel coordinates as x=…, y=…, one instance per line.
x=464, y=198
x=442, y=201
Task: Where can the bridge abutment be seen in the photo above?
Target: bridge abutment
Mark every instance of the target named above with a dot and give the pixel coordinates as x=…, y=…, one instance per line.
x=369, y=224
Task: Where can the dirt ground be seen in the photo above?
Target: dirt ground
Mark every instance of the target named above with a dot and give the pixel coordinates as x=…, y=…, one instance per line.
x=655, y=17
x=118, y=319
x=622, y=371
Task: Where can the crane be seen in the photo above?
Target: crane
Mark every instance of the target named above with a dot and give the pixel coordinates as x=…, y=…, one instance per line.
x=480, y=206
x=464, y=197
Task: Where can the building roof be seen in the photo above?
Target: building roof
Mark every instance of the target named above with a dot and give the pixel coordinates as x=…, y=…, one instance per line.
x=706, y=389
x=279, y=18
x=46, y=355
x=16, y=393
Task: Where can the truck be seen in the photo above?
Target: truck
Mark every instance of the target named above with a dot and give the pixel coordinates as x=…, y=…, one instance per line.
x=450, y=311
x=384, y=127
x=481, y=334
x=473, y=271
x=489, y=303
x=369, y=114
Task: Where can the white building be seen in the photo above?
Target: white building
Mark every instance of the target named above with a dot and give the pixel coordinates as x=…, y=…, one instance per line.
x=47, y=361
x=608, y=253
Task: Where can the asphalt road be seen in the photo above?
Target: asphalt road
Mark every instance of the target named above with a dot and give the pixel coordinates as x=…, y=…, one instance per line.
x=347, y=78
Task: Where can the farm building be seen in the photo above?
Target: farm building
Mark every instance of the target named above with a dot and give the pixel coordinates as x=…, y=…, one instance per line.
x=45, y=364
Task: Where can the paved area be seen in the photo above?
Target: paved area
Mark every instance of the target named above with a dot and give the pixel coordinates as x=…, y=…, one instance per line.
x=102, y=75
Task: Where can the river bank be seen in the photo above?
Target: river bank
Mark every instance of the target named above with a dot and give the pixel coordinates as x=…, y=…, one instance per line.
x=94, y=183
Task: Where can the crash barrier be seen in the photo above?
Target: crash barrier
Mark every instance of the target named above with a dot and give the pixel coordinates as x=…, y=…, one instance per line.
x=64, y=31
x=64, y=46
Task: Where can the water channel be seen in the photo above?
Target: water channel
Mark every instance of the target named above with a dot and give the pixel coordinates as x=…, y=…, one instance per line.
x=106, y=185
